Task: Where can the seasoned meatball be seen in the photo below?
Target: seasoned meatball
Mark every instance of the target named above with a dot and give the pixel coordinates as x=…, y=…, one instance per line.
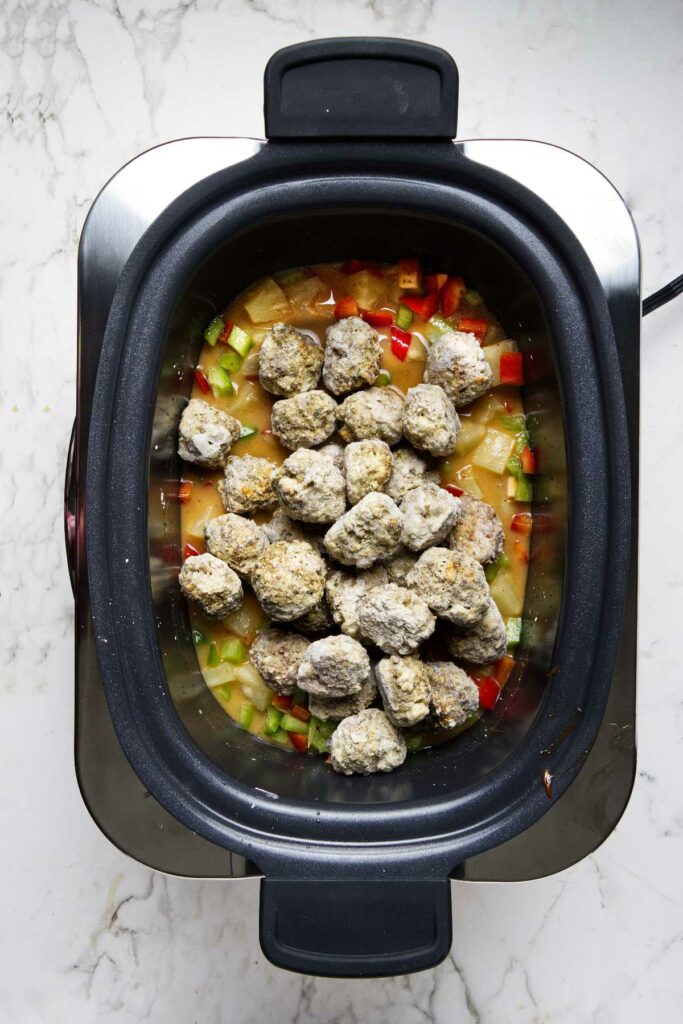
x=395, y=620
x=409, y=470
x=237, y=541
x=281, y=527
x=212, y=584
x=288, y=579
x=454, y=696
x=366, y=743
x=310, y=487
x=277, y=655
x=453, y=585
x=367, y=467
x=484, y=642
x=352, y=355
x=316, y=622
x=429, y=514
x=289, y=361
x=374, y=413
x=335, y=453
x=404, y=687
x=457, y=364
x=206, y=434
x=346, y=593
x=335, y=666
x=248, y=484
x=430, y=421
x=478, y=530
x=400, y=565
x=336, y=708
x=367, y=533
x=305, y=420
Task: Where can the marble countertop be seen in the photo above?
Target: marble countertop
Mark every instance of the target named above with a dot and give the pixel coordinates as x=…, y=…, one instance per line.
x=92, y=936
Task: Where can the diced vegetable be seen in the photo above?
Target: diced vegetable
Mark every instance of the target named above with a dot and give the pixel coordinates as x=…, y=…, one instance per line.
x=452, y=489
x=222, y=675
x=493, y=451
x=423, y=307
x=202, y=382
x=266, y=302
x=189, y=551
x=224, y=691
x=245, y=621
x=470, y=435
x=377, y=318
x=528, y=458
x=247, y=432
x=356, y=266
x=489, y=692
x=368, y=289
x=272, y=722
x=404, y=317
x=434, y=282
x=508, y=594
x=409, y=275
x=184, y=491
x=383, y=379
x=253, y=686
x=240, y=341
x=451, y=295
x=213, y=658
x=300, y=712
x=414, y=743
x=478, y=326
x=521, y=523
x=246, y=715
x=282, y=702
x=225, y=333
x=493, y=568
x=473, y=298
x=513, y=629
x=438, y=325
x=503, y=669
x=230, y=361
x=466, y=479
x=400, y=342
x=346, y=307
x=234, y=651
x=291, y=724
x=511, y=369
x=199, y=637
x=307, y=292
x=286, y=277
x=487, y=408
x=213, y=330
x=524, y=490
x=319, y=735
x=220, y=382
x=299, y=742
x=492, y=354
x=281, y=736
x=514, y=423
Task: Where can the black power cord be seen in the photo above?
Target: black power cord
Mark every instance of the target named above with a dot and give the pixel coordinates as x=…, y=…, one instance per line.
x=665, y=294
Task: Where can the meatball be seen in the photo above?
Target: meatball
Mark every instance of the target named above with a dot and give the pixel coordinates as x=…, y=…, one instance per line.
x=352, y=355
x=478, y=531
x=316, y=622
x=281, y=527
x=430, y=421
x=336, y=708
x=346, y=593
x=288, y=579
x=429, y=514
x=335, y=453
x=456, y=362
x=305, y=420
x=454, y=696
x=289, y=361
x=484, y=642
x=310, y=487
x=335, y=666
x=206, y=434
x=366, y=743
x=404, y=688
x=408, y=471
x=395, y=620
x=374, y=413
x=453, y=585
x=237, y=541
x=400, y=565
x=212, y=584
x=367, y=533
x=277, y=655
x=248, y=484
x=367, y=467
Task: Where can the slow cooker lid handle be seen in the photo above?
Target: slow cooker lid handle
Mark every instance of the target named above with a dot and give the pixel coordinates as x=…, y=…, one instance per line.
x=361, y=87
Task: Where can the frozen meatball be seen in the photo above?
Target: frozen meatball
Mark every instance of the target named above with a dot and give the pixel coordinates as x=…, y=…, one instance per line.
x=310, y=487
x=429, y=514
x=335, y=666
x=409, y=470
x=352, y=355
x=453, y=585
x=395, y=620
x=478, y=530
x=454, y=696
x=305, y=420
x=404, y=687
x=206, y=434
x=377, y=412
x=288, y=579
x=335, y=453
x=400, y=565
x=277, y=655
x=281, y=527
x=457, y=364
x=367, y=533
x=317, y=622
x=336, y=708
x=238, y=541
x=212, y=584
x=367, y=467
x=247, y=485
x=430, y=421
x=289, y=361
x=366, y=743
x=346, y=593
x=484, y=642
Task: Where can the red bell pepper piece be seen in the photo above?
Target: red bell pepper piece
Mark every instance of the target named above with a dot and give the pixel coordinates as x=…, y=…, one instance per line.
x=511, y=369
x=400, y=342
x=528, y=458
x=452, y=489
x=489, y=692
x=476, y=325
x=346, y=307
x=299, y=740
x=355, y=266
x=503, y=669
x=409, y=275
x=521, y=552
x=434, y=282
x=184, y=491
x=202, y=382
x=281, y=702
x=189, y=551
x=303, y=714
x=424, y=306
x=521, y=523
x=225, y=333
x=451, y=295
x=377, y=318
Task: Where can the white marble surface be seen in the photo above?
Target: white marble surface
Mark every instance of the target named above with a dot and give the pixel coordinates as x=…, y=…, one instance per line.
x=89, y=936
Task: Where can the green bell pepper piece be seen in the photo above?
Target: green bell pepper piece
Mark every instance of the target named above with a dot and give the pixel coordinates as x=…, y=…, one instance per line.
x=230, y=362
x=220, y=382
x=225, y=691
x=404, y=317
x=240, y=341
x=213, y=330
x=319, y=734
x=272, y=723
x=492, y=570
x=291, y=724
x=383, y=379
x=212, y=658
x=439, y=324
x=234, y=651
x=280, y=736
x=525, y=490
x=515, y=423
x=247, y=432
x=246, y=715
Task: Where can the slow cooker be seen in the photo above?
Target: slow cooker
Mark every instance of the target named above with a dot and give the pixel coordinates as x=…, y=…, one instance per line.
x=360, y=160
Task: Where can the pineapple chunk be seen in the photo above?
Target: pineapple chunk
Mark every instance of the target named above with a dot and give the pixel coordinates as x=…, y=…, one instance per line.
x=266, y=302
x=470, y=435
x=253, y=686
x=368, y=290
x=487, y=408
x=508, y=594
x=494, y=451
x=467, y=481
x=492, y=354
x=307, y=292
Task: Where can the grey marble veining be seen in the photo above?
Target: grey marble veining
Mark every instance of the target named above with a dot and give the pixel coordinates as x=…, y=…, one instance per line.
x=89, y=936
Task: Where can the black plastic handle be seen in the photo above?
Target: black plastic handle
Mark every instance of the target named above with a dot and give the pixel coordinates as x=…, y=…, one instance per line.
x=355, y=928
x=361, y=87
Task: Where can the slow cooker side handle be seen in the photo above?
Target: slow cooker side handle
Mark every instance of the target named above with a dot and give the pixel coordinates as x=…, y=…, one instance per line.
x=355, y=928
x=362, y=88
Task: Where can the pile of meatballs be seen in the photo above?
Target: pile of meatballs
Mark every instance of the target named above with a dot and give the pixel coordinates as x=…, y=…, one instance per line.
x=364, y=550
